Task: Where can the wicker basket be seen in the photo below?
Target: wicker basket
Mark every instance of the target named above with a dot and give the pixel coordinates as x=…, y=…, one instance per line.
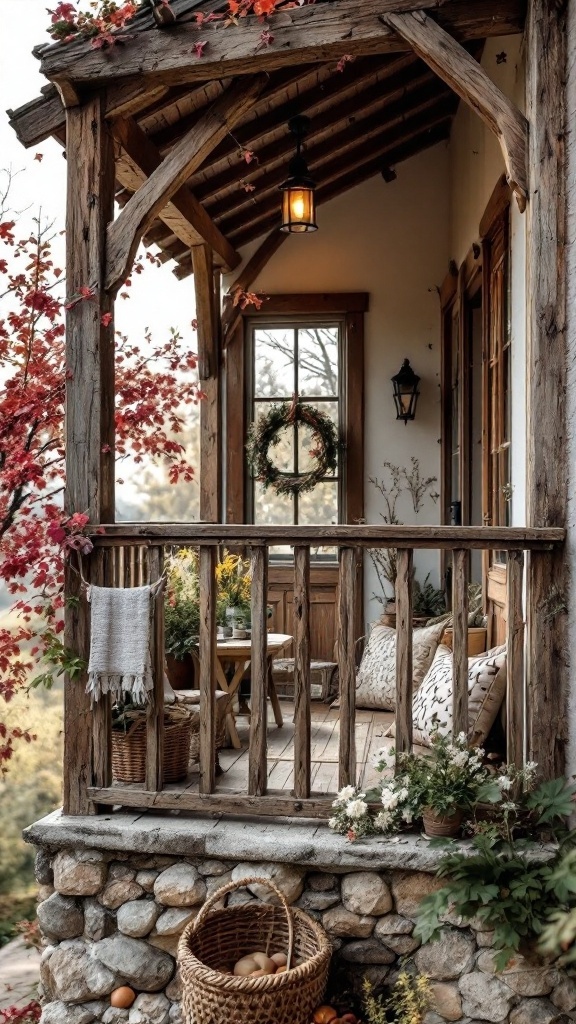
x=129, y=748
x=212, y=943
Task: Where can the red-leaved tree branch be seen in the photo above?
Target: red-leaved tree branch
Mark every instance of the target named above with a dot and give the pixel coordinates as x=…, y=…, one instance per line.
x=155, y=385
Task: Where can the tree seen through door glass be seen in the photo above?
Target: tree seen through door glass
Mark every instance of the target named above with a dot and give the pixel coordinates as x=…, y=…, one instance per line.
x=297, y=359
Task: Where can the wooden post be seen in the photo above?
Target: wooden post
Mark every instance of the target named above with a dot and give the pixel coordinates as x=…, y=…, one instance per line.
x=155, y=706
x=302, y=738
x=257, y=763
x=207, y=668
x=347, y=667
x=514, y=659
x=89, y=400
x=546, y=58
x=460, y=576
x=209, y=373
x=404, y=575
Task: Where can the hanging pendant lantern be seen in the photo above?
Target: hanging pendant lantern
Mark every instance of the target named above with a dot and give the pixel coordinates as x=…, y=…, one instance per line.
x=298, y=201
x=406, y=392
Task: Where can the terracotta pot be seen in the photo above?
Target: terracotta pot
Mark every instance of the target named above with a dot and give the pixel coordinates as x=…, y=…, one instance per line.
x=446, y=825
x=180, y=673
x=476, y=639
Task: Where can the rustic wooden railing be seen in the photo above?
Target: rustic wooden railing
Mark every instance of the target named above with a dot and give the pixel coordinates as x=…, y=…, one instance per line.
x=131, y=554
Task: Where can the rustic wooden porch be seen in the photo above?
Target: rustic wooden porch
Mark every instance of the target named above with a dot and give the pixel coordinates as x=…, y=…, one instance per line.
x=297, y=769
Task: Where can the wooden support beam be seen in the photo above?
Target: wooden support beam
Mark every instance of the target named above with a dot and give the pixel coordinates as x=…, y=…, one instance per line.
x=232, y=314
x=89, y=402
x=308, y=34
x=469, y=80
x=209, y=373
x=207, y=669
x=125, y=234
x=183, y=215
x=547, y=428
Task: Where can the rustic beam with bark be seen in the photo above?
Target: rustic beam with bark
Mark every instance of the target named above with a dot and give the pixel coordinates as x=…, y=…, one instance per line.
x=547, y=366
x=89, y=402
x=184, y=214
x=126, y=232
x=209, y=374
x=313, y=33
x=468, y=79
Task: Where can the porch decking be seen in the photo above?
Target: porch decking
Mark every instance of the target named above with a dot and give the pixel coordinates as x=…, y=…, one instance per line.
x=325, y=737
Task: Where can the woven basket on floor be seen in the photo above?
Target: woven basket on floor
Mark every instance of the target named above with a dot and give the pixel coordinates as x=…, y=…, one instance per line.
x=129, y=748
x=212, y=943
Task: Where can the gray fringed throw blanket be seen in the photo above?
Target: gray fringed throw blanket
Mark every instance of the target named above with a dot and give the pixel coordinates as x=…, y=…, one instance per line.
x=120, y=642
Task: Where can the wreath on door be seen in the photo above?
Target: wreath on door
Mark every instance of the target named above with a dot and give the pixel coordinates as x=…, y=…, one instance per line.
x=264, y=435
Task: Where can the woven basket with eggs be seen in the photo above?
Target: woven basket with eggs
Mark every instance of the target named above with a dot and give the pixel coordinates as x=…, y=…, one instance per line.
x=219, y=950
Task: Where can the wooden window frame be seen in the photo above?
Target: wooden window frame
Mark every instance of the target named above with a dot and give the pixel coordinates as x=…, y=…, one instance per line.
x=350, y=309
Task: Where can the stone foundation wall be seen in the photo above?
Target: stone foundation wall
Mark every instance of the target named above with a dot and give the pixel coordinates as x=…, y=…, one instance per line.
x=114, y=918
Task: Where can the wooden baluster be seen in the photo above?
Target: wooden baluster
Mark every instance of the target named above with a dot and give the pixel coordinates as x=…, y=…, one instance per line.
x=460, y=575
x=155, y=707
x=302, y=737
x=347, y=666
x=102, y=576
x=257, y=763
x=404, y=574
x=207, y=669
x=515, y=659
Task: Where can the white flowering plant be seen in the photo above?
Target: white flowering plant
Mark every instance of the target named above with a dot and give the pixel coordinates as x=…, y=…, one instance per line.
x=452, y=777
x=351, y=817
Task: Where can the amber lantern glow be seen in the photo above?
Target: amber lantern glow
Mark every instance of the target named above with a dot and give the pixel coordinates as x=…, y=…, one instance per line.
x=298, y=200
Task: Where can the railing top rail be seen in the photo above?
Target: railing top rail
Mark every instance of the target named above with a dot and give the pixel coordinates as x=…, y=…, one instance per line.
x=501, y=538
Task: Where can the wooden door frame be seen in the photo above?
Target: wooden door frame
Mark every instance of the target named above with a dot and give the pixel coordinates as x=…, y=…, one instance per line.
x=350, y=306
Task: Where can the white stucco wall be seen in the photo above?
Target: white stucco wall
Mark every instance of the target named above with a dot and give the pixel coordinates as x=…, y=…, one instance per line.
x=390, y=240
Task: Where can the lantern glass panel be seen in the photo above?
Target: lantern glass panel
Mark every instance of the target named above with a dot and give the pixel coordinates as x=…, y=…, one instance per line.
x=298, y=212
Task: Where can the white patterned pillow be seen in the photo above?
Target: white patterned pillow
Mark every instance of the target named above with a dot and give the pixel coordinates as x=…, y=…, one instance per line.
x=432, y=705
x=376, y=678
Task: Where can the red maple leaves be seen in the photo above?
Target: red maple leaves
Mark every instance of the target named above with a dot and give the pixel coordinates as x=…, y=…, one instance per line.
x=151, y=407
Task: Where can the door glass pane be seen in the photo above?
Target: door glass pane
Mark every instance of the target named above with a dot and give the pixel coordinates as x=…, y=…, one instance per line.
x=281, y=454
x=318, y=361
x=306, y=444
x=274, y=374
x=320, y=505
x=272, y=509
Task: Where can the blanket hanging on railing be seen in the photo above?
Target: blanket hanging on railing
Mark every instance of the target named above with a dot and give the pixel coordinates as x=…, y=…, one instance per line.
x=120, y=633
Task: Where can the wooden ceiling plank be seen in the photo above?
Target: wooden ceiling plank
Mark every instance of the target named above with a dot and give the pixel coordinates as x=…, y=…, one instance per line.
x=184, y=215
x=391, y=104
x=399, y=74
x=312, y=33
x=125, y=232
x=428, y=114
x=281, y=81
x=449, y=60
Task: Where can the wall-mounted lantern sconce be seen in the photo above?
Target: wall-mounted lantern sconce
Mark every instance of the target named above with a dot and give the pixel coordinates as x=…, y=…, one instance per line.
x=298, y=200
x=406, y=392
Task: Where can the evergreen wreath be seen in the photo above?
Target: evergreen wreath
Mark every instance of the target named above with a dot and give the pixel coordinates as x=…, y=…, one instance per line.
x=264, y=434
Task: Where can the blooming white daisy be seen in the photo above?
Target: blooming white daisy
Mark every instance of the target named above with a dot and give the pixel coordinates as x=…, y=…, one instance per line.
x=345, y=794
x=356, y=808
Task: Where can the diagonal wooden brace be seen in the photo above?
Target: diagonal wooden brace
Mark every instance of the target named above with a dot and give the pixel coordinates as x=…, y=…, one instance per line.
x=463, y=74
x=125, y=233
